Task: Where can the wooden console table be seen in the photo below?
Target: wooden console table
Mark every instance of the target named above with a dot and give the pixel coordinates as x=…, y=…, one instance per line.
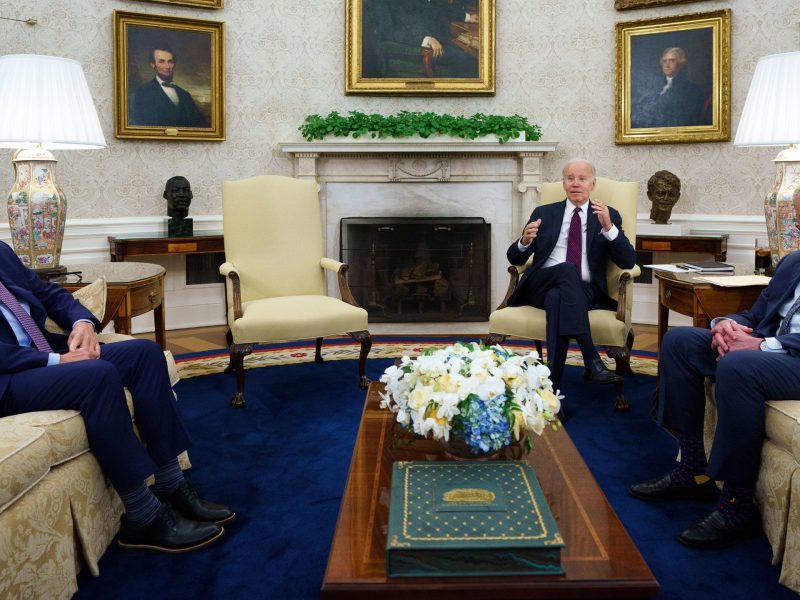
x=122, y=248
x=132, y=289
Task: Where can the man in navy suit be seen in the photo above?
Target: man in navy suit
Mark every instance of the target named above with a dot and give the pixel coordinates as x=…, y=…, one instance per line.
x=568, y=279
x=40, y=370
x=162, y=103
x=754, y=356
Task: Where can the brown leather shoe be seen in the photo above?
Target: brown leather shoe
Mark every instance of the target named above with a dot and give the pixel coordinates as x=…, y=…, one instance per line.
x=168, y=532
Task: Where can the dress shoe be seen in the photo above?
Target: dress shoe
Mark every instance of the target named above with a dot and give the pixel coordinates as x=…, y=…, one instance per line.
x=168, y=532
x=187, y=501
x=713, y=532
x=662, y=488
x=598, y=373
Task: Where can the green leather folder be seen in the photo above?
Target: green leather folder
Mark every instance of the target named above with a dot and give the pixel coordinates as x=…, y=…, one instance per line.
x=470, y=519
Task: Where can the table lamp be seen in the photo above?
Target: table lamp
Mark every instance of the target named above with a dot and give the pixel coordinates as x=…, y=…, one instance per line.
x=44, y=104
x=771, y=117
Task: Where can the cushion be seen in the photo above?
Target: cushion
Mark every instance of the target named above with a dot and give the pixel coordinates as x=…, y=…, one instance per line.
x=24, y=459
x=92, y=296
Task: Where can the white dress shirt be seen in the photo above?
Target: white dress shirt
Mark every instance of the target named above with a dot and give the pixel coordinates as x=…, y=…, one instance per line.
x=559, y=253
x=169, y=90
x=22, y=337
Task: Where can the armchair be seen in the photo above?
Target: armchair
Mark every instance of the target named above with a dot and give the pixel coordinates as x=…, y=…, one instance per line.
x=276, y=288
x=609, y=329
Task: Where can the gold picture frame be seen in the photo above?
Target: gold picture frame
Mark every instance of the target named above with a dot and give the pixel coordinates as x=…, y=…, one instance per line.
x=393, y=47
x=192, y=107
x=197, y=3
x=694, y=104
x=629, y=4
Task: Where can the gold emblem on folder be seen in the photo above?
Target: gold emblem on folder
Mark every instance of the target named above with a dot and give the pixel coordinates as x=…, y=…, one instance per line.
x=469, y=496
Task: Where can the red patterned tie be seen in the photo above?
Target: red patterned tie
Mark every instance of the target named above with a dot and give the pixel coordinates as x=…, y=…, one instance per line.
x=27, y=322
x=575, y=241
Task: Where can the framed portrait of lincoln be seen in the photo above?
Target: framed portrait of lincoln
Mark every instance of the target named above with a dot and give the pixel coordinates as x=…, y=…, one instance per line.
x=420, y=47
x=168, y=78
x=673, y=79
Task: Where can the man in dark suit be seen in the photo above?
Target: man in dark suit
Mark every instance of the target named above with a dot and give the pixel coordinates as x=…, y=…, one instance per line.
x=571, y=242
x=754, y=356
x=671, y=100
x=40, y=370
x=162, y=103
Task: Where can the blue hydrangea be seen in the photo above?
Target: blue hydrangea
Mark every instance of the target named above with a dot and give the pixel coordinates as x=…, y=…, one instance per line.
x=484, y=425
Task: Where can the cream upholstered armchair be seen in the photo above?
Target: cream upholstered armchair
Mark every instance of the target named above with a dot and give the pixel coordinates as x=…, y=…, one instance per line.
x=275, y=271
x=609, y=329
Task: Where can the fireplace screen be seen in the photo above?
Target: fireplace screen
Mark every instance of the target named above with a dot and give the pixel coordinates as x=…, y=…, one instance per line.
x=418, y=269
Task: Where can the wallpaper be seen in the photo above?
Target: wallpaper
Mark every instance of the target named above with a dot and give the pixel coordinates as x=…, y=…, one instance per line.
x=285, y=59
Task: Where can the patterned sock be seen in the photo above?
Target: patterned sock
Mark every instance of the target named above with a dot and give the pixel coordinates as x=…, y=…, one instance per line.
x=692, y=467
x=736, y=504
x=141, y=505
x=168, y=477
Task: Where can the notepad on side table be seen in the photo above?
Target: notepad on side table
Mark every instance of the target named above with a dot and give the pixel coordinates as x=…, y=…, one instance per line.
x=710, y=267
x=736, y=280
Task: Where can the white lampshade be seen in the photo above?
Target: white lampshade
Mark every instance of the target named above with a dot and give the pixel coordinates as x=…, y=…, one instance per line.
x=45, y=100
x=771, y=115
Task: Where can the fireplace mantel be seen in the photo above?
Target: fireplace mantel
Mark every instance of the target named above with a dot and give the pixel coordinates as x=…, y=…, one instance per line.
x=407, y=177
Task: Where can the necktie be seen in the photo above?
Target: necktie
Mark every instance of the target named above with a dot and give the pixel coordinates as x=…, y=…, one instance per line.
x=27, y=322
x=167, y=84
x=575, y=240
x=787, y=320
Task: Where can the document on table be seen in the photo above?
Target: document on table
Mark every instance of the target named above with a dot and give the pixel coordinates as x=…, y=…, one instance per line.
x=670, y=267
x=735, y=280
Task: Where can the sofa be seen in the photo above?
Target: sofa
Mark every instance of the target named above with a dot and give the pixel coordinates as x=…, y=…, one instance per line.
x=58, y=513
x=778, y=484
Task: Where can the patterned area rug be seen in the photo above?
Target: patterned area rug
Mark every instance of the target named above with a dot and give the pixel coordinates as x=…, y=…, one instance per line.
x=216, y=361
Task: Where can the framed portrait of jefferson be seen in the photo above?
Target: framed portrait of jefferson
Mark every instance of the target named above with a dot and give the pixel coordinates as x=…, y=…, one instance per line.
x=168, y=78
x=672, y=80
x=420, y=47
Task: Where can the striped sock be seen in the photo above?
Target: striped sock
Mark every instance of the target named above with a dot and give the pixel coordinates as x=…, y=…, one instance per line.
x=736, y=504
x=168, y=477
x=141, y=505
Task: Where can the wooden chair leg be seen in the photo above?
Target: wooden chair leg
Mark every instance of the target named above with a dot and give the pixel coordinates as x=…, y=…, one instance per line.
x=494, y=338
x=539, y=349
x=238, y=352
x=365, y=339
x=622, y=357
x=318, y=354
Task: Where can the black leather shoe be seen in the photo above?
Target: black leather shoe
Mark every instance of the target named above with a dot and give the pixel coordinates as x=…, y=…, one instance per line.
x=186, y=500
x=713, y=532
x=662, y=488
x=598, y=373
x=169, y=532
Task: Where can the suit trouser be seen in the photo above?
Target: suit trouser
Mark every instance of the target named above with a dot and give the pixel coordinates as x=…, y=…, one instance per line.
x=566, y=299
x=95, y=388
x=745, y=380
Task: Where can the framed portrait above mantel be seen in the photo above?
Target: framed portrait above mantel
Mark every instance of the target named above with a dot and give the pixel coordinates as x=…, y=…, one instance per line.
x=420, y=47
x=169, y=78
x=673, y=79
x=197, y=3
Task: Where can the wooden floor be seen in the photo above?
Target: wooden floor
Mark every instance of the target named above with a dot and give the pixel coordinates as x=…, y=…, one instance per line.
x=181, y=341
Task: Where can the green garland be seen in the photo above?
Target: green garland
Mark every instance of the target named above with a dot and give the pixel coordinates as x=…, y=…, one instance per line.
x=406, y=124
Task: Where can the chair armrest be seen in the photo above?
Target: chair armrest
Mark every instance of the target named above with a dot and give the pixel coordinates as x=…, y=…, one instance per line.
x=625, y=279
x=229, y=270
x=340, y=269
x=514, y=273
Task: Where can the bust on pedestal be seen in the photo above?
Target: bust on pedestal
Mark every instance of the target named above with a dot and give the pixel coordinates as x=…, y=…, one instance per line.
x=663, y=190
x=178, y=194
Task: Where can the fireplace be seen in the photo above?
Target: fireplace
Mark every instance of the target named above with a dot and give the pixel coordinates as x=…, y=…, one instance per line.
x=418, y=269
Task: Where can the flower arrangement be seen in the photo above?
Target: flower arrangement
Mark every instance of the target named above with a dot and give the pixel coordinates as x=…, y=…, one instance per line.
x=406, y=124
x=486, y=397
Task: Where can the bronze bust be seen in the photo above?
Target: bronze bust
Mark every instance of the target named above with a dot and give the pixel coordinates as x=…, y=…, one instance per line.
x=663, y=190
x=178, y=194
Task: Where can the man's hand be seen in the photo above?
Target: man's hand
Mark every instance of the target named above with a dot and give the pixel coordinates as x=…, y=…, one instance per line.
x=601, y=210
x=742, y=341
x=724, y=331
x=436, y=46
x=83, y=337
x=530, y=232
x=76, y=355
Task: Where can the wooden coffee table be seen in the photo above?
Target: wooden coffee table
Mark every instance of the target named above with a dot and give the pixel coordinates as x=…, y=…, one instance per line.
x=600, y=558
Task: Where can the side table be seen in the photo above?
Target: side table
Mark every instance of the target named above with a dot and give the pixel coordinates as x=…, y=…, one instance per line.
x=202, y=242
x=133, y=289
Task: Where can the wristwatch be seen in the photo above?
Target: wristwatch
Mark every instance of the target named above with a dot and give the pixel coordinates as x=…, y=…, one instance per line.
x=764, y=346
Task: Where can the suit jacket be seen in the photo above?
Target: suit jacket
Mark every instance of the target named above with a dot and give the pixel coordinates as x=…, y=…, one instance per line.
x=45, y=299
x=681, y=105
x=151, y=106
x=763, y=317
x=598, y=248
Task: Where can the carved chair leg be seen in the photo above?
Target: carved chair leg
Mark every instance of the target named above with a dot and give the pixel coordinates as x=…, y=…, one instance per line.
x=238, y=352
x=365, y=339
x=494, y=338
x=539, y=349
x=318, y=354
x=622, y=357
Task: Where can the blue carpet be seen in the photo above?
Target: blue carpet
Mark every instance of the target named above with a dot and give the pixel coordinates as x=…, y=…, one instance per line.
x=282, y=464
